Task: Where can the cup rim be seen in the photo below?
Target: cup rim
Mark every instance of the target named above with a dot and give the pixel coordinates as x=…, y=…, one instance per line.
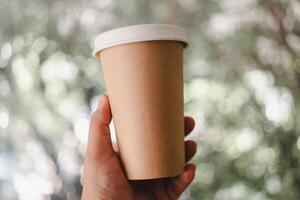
x=139, y=33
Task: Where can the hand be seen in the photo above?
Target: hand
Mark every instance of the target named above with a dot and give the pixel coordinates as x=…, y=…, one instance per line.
x=104, y=178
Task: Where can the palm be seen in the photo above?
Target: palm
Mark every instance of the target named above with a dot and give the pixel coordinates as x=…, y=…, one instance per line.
x=104, y=177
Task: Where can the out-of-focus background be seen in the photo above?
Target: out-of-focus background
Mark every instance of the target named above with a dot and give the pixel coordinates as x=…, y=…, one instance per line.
x=242, y=85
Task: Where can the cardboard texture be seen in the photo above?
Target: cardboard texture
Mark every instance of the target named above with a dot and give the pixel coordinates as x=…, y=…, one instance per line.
x=145, y=87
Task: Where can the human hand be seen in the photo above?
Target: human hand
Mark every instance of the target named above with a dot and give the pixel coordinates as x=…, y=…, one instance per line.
x=104, y=178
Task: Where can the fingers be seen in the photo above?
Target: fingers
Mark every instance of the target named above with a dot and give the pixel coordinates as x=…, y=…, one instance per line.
x=157, y=188
x=177, y=185
x=190, y=149
x=99, y=142
x=189, y=124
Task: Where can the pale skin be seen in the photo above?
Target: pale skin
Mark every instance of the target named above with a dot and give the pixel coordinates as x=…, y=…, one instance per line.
x=104, y=178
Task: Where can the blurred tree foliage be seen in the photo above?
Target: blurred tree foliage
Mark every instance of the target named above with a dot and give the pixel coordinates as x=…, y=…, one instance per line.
x=242, y=84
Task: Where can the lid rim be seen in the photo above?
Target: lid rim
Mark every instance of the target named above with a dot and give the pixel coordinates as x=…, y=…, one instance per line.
x=139, y=33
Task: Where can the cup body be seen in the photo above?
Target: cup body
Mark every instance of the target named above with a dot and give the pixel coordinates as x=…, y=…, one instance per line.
x=145, y=87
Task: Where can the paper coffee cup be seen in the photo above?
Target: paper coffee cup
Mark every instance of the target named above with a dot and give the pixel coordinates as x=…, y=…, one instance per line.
x=143, y=71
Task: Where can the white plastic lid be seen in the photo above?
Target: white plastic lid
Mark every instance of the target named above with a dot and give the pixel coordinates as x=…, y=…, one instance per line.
x=138, y=33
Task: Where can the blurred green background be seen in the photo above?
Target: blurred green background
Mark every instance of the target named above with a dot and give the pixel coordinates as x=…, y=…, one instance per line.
x=242, y=85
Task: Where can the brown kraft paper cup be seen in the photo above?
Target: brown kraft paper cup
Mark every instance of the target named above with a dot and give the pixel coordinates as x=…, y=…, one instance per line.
x=145, y=88
x=143, y=71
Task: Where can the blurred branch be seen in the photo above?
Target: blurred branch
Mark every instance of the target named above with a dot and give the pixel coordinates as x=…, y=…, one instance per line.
x=279, y=14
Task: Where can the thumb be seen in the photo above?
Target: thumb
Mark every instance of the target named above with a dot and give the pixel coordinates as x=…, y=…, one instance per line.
x=99, y=143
